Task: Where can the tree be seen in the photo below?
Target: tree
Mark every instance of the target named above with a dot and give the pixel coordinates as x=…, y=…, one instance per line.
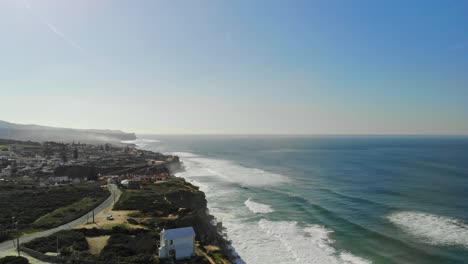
x=14, y=260
x=92, y=176
x=63, y=156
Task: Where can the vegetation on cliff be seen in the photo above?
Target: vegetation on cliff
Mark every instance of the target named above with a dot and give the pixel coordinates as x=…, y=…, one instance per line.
x=138, y=248
x=174, y=204
x=163, y=198
x=171, y=204
x=124, y=245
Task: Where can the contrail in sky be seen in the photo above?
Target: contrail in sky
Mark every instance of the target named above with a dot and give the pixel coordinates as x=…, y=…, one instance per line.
x=53, y=28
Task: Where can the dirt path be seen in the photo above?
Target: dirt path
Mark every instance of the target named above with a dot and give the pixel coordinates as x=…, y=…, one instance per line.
x=96, y=244
x=199, y=252
x=100, y=220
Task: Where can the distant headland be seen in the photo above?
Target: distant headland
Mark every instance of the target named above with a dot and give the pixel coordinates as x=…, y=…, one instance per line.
x=45, y=133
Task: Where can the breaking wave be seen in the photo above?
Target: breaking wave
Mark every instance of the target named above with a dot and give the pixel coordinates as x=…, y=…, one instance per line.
x=258, y=208
x=262, y=241
x=185, y=154
x=141, y=142
x=286, y=242
x=228, y=171
x=432, y=229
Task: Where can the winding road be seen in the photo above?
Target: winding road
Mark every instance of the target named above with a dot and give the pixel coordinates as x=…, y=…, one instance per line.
x=108, y=203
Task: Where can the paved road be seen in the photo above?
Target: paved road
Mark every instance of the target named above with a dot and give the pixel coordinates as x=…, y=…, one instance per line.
x=108, y=203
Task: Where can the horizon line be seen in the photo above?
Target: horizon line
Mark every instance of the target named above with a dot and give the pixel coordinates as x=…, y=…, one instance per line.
x=305, y=134
x=251, y=134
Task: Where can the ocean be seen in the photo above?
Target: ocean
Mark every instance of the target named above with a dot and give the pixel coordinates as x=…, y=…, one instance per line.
x=332, y=199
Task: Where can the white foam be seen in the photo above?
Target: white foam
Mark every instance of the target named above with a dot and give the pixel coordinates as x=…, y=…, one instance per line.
x=349, y=258
x=286, y=243
x=258, y=208
x=228, y=171
x=262, y=241
x=185, y=154
x=432, y=229
x=141, y=142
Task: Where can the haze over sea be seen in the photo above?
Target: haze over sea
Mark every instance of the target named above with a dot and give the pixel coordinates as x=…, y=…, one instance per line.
x=332, y=199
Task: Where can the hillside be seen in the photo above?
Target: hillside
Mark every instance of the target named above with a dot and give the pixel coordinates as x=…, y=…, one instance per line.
x=45, y=133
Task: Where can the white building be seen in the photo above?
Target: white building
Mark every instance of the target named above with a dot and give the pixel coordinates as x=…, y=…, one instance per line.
x=178, y=243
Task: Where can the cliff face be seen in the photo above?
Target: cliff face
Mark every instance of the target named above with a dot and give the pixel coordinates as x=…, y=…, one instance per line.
x=206, y=232
x=197, y=216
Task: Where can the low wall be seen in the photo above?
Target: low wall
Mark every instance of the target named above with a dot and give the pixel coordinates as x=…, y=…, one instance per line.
x=42, y=257
x=53, y=259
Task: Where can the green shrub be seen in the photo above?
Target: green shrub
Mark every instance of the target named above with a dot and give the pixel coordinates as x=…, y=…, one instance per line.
x=67, y=239
x=94, y=232
x=141, y=259
x=137, y=248
x=14, y=260
x=132, y=221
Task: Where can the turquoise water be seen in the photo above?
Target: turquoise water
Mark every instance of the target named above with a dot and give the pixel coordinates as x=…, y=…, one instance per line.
x=333, y=199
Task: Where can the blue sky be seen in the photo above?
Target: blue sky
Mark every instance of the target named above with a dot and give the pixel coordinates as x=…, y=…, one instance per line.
x=237, y=67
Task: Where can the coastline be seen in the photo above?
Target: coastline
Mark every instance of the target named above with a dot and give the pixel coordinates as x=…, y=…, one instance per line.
x=255, y=224
x=208, y=229
x=269, y=212
x=156, y=201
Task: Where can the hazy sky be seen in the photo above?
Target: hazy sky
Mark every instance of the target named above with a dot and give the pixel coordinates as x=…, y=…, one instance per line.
x=280, y=67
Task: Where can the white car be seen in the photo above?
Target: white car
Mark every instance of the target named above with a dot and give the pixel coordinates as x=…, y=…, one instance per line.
x=110, y=217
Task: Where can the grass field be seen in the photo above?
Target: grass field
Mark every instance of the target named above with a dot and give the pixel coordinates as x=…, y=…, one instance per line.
x=67, y=238
x=68, y=213
x=29, y=204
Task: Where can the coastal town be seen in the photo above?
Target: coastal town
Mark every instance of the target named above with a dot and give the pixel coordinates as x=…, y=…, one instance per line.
x=52, y=163
x=105, y=198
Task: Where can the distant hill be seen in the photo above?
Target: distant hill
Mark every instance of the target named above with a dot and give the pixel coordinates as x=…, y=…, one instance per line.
x=45, y=133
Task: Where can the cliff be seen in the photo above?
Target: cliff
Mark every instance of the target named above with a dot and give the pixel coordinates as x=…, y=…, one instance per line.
x=174, y=204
